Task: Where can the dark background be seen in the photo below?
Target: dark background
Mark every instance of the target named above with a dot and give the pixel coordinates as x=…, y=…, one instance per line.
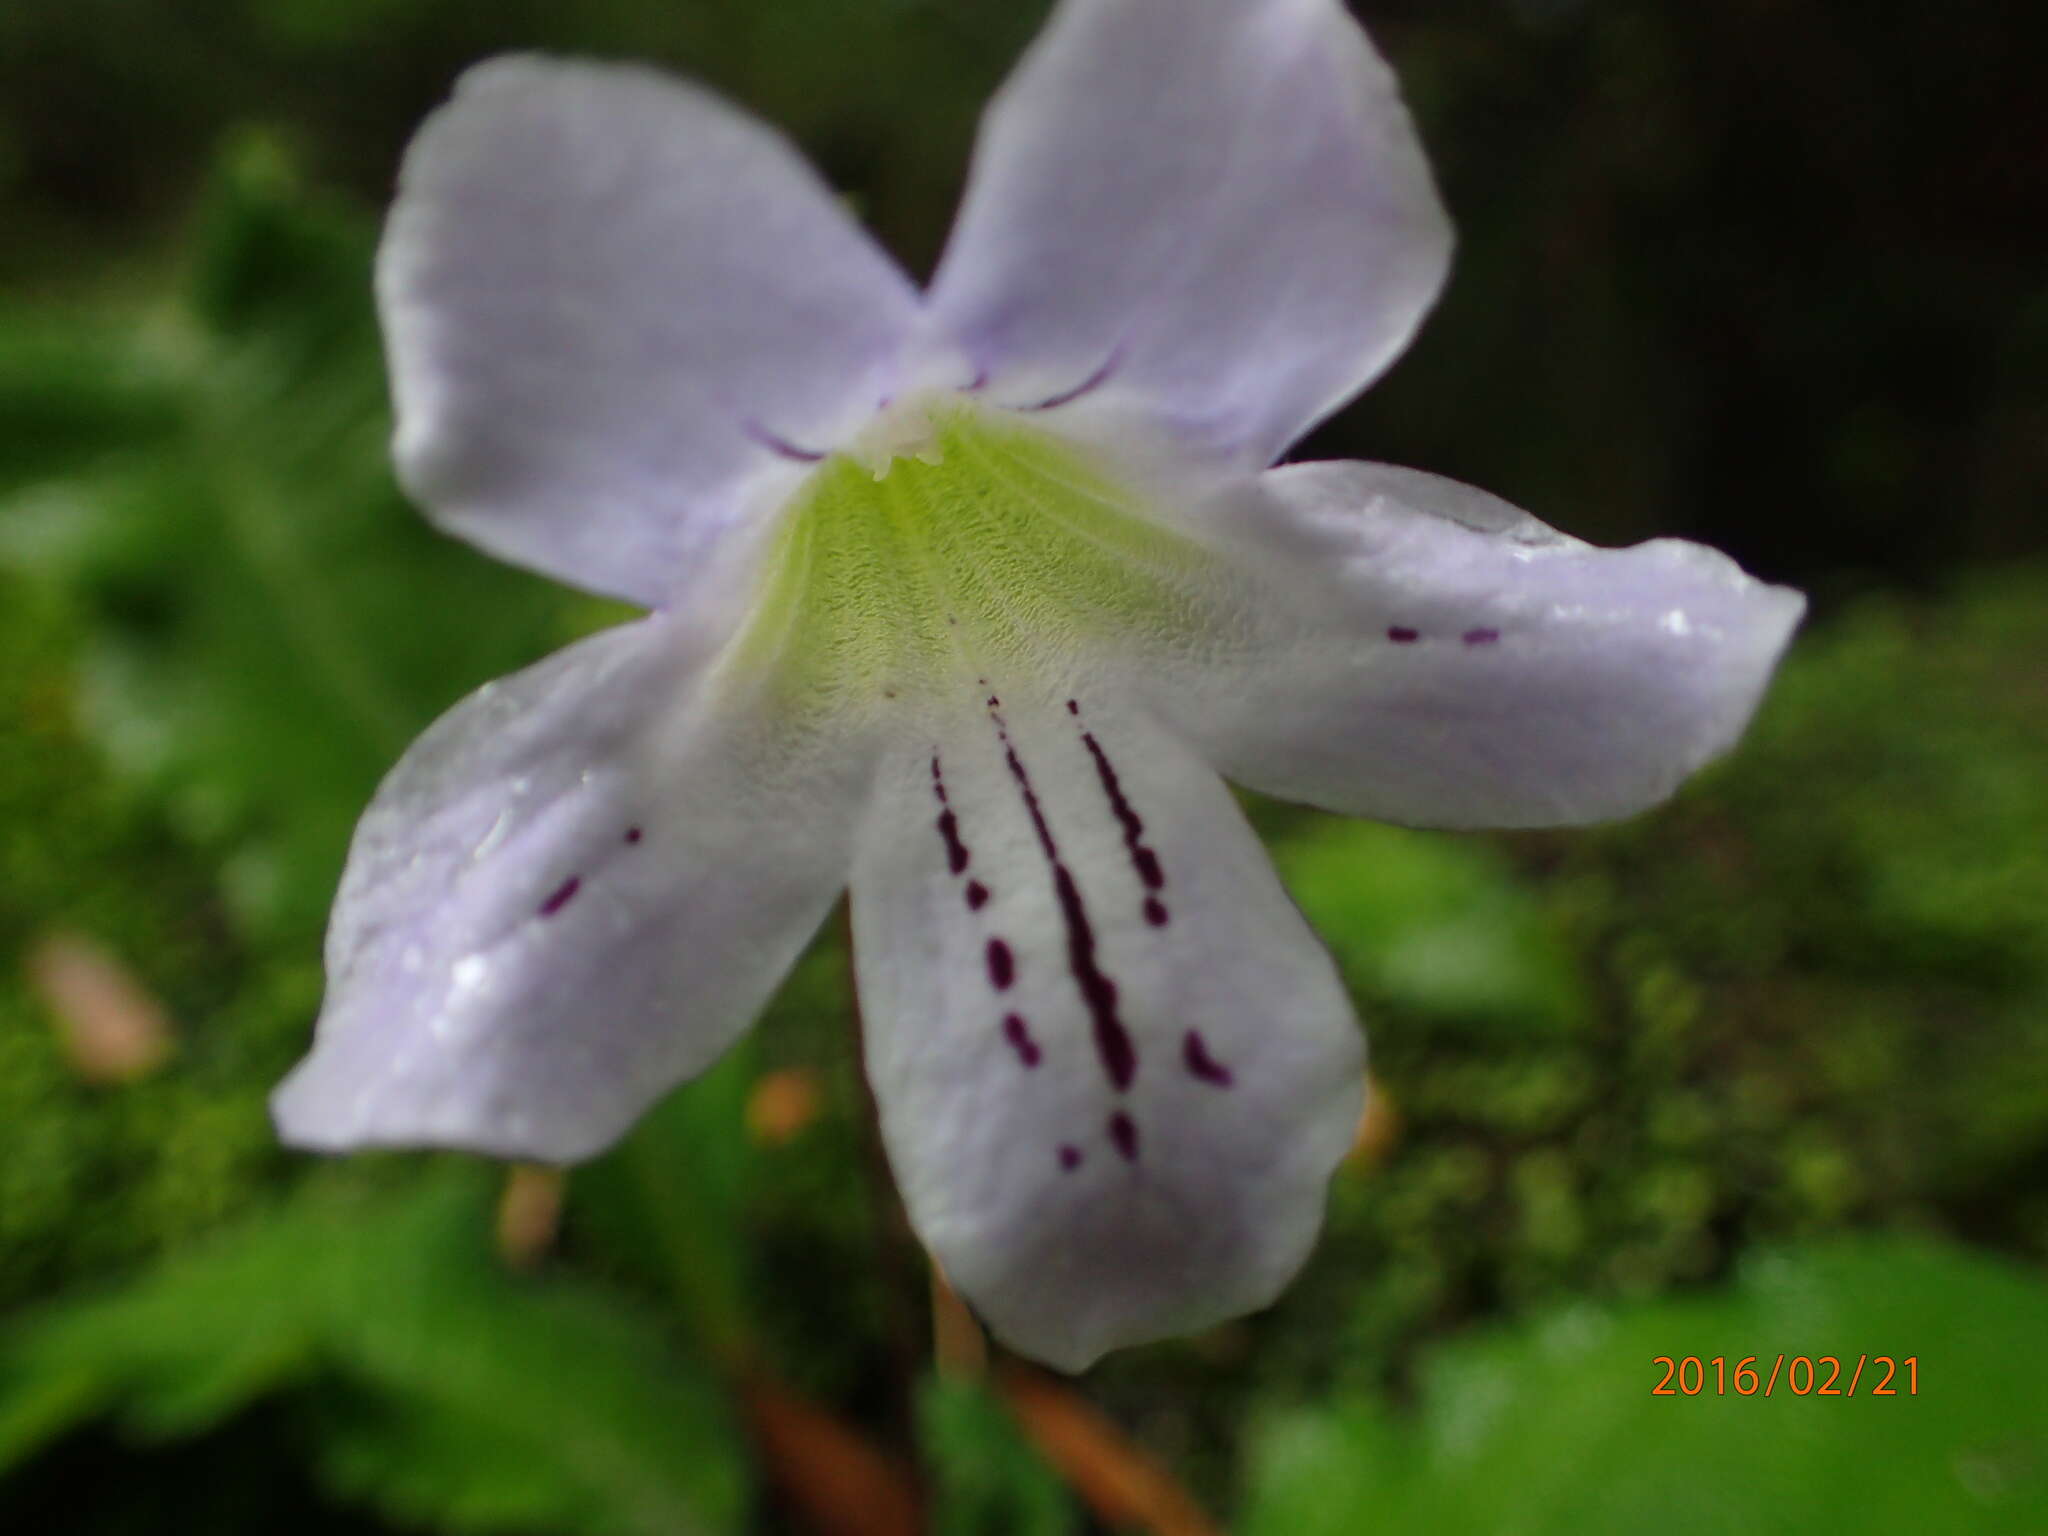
x=1769, y=274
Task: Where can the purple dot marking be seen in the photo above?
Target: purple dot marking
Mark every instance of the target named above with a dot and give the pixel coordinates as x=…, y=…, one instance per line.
x=1155, y=912
x=977, y=895
x=1070, y=1156
x=1481, y=636
x=634, y=834
x=1194, y=1053
x=563, y=895
x=1400, y=634
x=1002, y=965
x=1124, y=1132
x=1019, y=1035
x=1073, y=706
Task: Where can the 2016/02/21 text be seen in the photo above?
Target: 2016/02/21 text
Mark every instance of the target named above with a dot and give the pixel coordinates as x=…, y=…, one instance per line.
x=1802, y=1376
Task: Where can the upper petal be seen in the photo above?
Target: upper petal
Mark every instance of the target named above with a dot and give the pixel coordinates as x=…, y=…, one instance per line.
x=1426, y=653
x=1217, y=210
x=575, y=890
x=1115, y=1069
x=607, y=298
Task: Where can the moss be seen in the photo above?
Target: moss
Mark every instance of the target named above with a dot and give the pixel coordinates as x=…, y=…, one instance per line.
x=96, y=1177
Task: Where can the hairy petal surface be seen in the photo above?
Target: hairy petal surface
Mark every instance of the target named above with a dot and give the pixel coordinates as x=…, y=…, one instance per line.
x=1214, y=210
x=613, y=303
x=575, y=890
x=1426, y=653
x=1115, y=1069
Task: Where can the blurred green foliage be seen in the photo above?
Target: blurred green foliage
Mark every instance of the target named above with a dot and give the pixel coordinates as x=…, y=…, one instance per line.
x=1614, y=1066
x=987, y=1480
x=433, y=1383
x=1551, y=1427
x=272, y=622
x=1441, y=928
x=93, y=1179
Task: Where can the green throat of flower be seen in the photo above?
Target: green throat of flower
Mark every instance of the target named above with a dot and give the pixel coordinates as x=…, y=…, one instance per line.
x=978, y=544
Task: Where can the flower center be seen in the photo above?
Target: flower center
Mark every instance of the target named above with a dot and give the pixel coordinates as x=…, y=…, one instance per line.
x=907, y=428
x=951, y=537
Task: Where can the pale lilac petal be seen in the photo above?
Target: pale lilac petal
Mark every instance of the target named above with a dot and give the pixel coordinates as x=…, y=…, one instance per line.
x=1428, y=654
x=1215, y=211
x=573, y=892
x=1115, y=1069
x=615, y=308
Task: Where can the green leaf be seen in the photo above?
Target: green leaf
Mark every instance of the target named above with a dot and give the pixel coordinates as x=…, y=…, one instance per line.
x=986, y=1480
x=733, y=1228
x=668, y=1201
x=75, y=390
x=445, y=1391
x=1552, y=1427
x=1433, y=923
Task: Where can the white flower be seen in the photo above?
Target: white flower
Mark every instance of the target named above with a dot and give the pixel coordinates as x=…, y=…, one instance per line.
x=967, y=597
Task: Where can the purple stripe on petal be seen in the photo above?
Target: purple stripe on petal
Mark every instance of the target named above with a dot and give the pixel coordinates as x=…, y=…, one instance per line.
x=780, y=445
x=561, y=897
x=948, y=823
x=1200, y=1064
x=956, y=851
x=1143, y=859
x=1481, y=636
x=1112, y=1040
x=1093, y=382
x=1018, y=1033
x=1123, y=1131
x=1401, y=634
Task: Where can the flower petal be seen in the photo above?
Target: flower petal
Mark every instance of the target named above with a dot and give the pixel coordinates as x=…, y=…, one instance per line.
x=1428, y=654
x=1115, y=1068
x=613, y=304
x=575, y=890
x=1216, y=211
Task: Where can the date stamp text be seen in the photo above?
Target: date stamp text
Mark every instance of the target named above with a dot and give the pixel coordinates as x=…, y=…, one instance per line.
x=1800, y=1375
